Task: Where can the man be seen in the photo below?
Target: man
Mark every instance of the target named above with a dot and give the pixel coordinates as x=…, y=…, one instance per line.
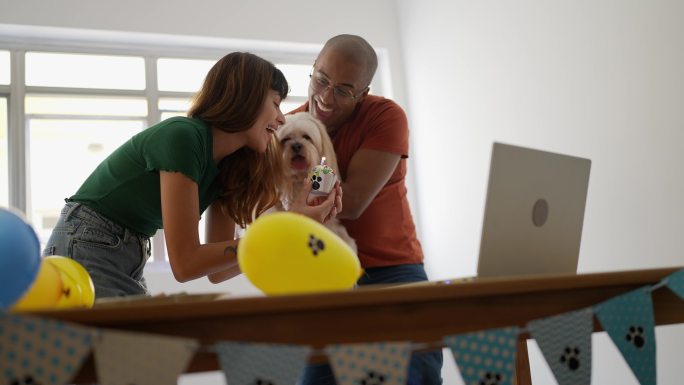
x=370, y=136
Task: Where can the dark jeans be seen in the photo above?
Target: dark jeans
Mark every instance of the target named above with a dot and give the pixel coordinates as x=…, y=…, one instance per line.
x=424, y=369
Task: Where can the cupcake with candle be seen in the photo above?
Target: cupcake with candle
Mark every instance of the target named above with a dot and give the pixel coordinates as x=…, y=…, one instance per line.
x=322, y=179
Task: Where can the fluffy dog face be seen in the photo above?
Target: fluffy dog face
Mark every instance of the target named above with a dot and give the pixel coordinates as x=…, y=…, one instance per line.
x=304, y=141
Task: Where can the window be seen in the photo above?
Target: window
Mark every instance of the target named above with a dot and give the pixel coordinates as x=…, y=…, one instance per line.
x=76, y=116
x=4, y=169
x=90, y=128
x=82, y=99
x=84, y=71
x=297, y=76
x=4, y=67
x=170, y=107
x=4, y=140
x=193, y=73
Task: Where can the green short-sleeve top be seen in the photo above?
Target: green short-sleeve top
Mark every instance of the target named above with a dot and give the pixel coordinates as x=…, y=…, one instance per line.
x=125, y=186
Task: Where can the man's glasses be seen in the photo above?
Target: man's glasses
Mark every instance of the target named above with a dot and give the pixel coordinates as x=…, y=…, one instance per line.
x=319, y=83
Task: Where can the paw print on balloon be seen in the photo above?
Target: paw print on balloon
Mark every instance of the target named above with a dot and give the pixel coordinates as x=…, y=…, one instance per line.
x=26, y=380
x=315, y=245
x=373, y=378
x=570, y=357
x=490, y=378
x=261, y=381
x=636, y=336
x=316, y=182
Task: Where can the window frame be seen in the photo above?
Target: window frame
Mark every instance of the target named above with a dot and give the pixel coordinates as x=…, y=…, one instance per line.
x=150, y=47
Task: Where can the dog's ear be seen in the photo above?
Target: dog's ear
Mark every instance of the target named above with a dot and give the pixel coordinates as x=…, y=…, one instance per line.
x=285, y=128
x=327, y=147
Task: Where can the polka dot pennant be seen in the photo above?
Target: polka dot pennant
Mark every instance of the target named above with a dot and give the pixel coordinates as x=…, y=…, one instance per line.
x=565, y=341
x=628, y=320
x=262, y=364
x=40, y=351
x=379, y=363
x=485, y=357
x=124, y=358
x=676, y=283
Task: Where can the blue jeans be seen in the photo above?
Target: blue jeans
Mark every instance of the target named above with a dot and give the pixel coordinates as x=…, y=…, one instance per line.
x=113, y=255
x=425, y=368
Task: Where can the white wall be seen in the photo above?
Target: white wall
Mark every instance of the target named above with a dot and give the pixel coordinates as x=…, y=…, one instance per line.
x=597, y=79
x=601, y=80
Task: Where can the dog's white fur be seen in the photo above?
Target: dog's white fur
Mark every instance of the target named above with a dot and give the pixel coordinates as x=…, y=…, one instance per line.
x=304, y=141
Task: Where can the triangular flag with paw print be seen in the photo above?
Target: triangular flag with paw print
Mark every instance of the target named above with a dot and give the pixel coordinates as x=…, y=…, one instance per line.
x=39, y=351
x=565, y=341
x=383, y=363
x=485, y=357
x=156, y=359
x=628, y=320
x=261, y=363
x=675, y=282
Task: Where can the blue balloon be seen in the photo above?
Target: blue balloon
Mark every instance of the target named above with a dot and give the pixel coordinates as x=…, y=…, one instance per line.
x=19, y=257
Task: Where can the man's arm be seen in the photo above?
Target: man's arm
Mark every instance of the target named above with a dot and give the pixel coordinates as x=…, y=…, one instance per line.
x=368, y=172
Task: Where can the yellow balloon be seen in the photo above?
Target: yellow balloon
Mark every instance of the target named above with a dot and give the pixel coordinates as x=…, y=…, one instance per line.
x=287, y=253
x=77, y=286
x=45, y=291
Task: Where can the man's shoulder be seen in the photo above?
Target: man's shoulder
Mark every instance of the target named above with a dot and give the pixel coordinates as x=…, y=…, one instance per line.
x=375, y=106
x=380, y=101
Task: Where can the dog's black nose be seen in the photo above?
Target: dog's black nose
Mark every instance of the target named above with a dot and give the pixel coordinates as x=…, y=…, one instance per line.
x=296, y=147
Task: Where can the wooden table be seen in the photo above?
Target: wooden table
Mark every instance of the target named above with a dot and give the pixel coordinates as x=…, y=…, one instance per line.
x=416, y=312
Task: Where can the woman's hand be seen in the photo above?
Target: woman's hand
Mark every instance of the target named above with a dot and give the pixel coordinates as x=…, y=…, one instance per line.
x=321, y=209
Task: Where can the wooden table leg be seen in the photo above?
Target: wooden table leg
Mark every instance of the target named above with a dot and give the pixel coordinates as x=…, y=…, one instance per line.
x=522, y=363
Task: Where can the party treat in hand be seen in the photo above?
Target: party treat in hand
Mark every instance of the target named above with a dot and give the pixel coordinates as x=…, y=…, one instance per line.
x=322, y=179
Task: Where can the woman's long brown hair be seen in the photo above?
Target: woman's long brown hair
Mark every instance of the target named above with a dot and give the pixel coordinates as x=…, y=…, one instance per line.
x=230, y=99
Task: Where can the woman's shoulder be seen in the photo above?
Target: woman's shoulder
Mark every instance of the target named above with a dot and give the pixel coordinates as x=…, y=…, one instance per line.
x=182, y=121
x=180, y=126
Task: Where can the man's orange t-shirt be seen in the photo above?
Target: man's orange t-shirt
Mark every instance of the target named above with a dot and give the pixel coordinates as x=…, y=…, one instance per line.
x=385, y=233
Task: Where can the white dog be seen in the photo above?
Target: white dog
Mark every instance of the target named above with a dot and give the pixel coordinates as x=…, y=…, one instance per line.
x=304, y=141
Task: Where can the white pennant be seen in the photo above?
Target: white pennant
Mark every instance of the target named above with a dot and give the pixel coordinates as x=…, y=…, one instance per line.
x=123, y=358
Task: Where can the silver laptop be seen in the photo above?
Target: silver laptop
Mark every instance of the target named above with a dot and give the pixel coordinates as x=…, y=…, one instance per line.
x=534, y=212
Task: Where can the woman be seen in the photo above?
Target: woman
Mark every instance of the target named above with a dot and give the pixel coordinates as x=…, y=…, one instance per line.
x=222, y=158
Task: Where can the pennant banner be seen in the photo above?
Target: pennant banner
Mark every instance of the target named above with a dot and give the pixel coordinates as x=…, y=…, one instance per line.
x=628, y=320
x=123, y=358
x=675, y=282
x=36, y=351
x=263, y=364
x=565, y=341
x=373, y=363
x=485, y=357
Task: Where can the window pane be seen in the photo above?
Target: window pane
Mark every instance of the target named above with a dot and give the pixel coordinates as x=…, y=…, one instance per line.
x=174, y=104
x=184, y=75
x=85, y=105
x=290, y=104
x=4, y=169
x=4, y=67
x=170, y=107
x=63, y=152
x=297, y=76
x=85, y=71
